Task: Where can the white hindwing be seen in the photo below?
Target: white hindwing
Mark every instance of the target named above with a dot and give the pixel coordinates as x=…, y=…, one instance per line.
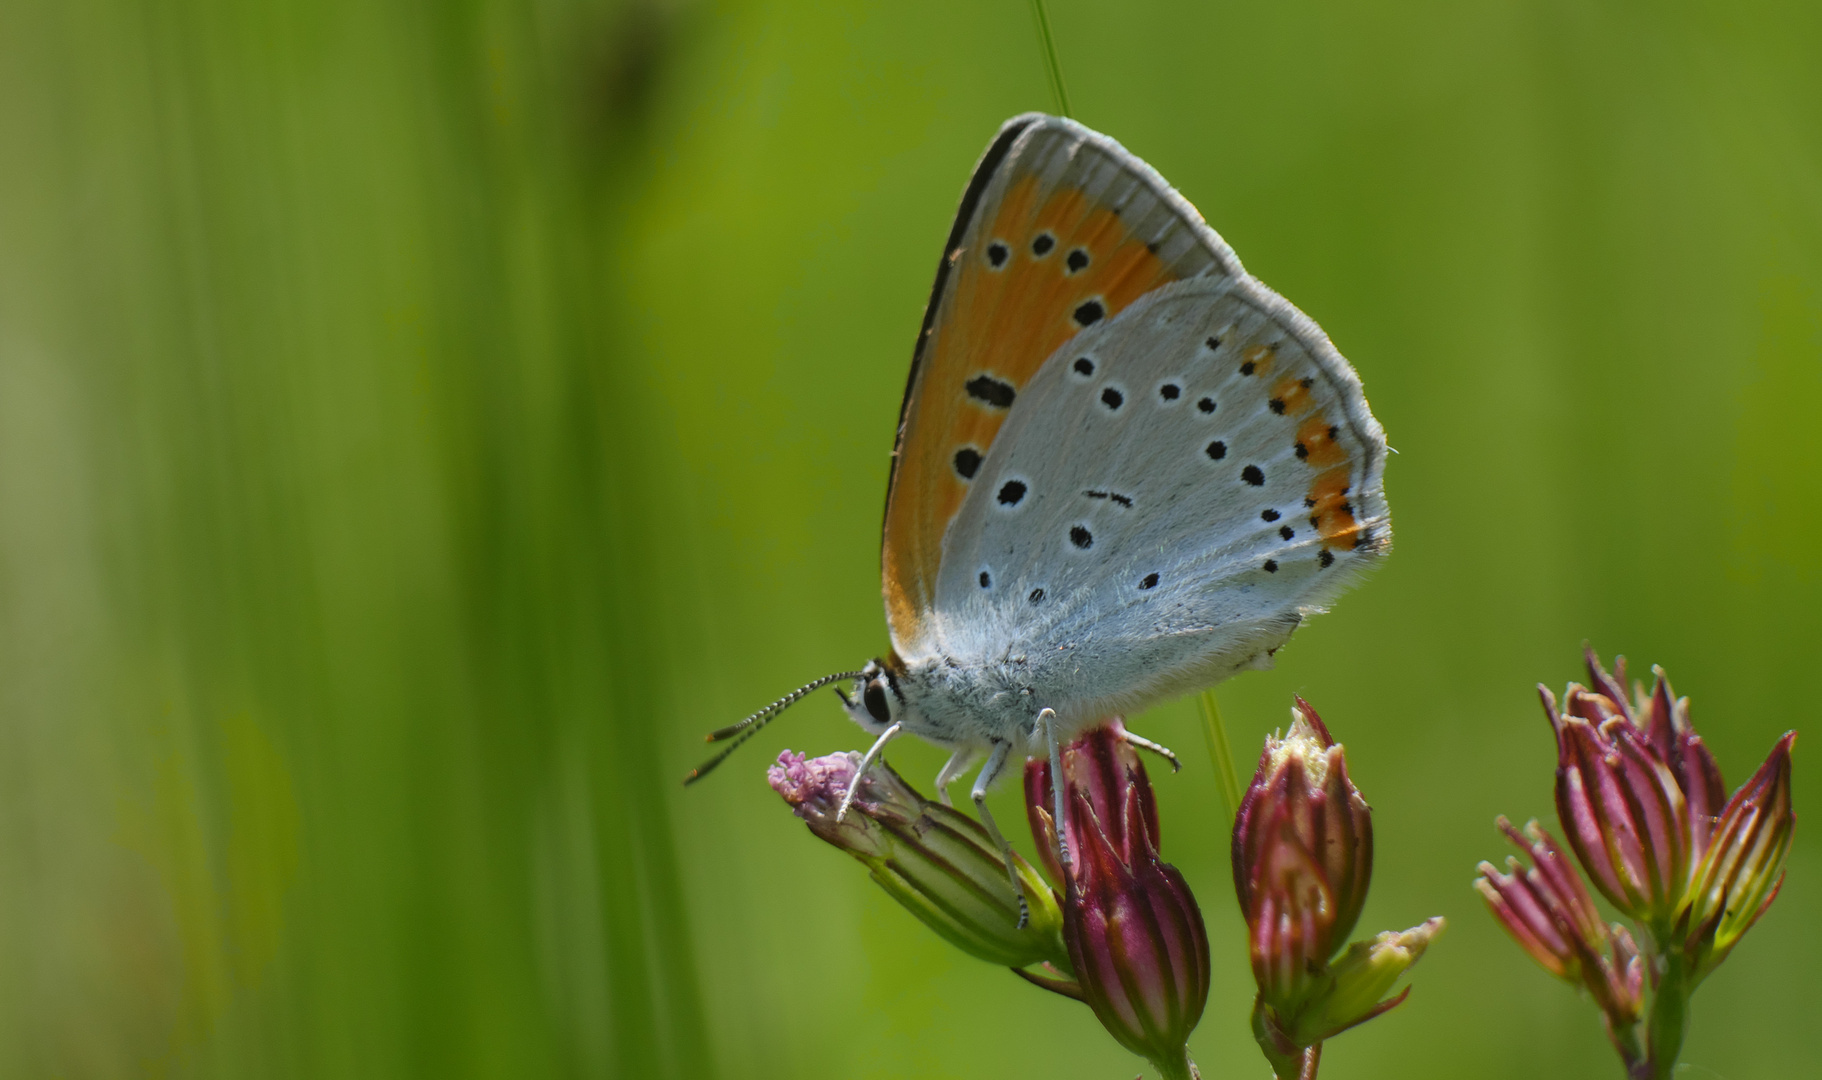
x=1127, y=532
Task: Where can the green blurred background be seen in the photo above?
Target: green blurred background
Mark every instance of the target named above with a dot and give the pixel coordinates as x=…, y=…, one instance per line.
x=420, y=420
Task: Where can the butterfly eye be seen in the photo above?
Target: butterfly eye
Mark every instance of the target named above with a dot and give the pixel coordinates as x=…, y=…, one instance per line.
x=874, y=697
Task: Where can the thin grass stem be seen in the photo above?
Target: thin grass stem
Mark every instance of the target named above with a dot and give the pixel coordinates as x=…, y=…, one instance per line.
x=1052, y=67
x=1220, y=753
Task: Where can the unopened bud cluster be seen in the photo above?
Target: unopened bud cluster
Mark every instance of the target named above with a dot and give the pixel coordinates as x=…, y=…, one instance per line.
x=1643, y=807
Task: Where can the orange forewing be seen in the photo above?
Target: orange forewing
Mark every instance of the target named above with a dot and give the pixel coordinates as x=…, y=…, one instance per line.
x=1000, y=322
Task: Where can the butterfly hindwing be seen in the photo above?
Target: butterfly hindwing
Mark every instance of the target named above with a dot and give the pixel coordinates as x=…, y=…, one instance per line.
x=1173, y=490
x=1059, y=231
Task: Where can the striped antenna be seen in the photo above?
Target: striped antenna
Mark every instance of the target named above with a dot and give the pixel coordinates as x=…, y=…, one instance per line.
x=751, y=726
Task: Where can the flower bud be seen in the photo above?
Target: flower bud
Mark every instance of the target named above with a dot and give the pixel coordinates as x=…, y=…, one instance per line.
x=1640, y=799
x=1132, y=926
x=1303, y=857
x=1548, y=911
x=1636, y=790
x=939, y=863
x=1743, y=868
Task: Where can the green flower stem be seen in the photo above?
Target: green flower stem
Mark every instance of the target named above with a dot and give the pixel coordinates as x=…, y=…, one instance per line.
x=1632, y=1055
x=1180, y=1069
x=1288, y=1061
x=1669, y=1015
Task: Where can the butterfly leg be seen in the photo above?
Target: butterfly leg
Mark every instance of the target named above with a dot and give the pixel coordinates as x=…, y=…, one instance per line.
x=1047, y=720
x=952, y=771
x=866, y=763
x=996, y=763
x=1162, y=751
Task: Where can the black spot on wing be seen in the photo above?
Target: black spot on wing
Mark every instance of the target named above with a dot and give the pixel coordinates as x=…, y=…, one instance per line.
x=1253, y=475
x=1089, y=313
x=1077, y=261
x=1150, y=581
x=1170, y=391
x=1037, y=596
x=1083, y=366
x=1287, y=532
x=986, y=580
x=1327, y=558
x=1269, y=515
x=1206, y=405
x=997, y=253
x=1216, y=450
x=1042, y=243
x=1081, y=537
x=1112, y=398
x=967, y=462
x=991, y=391
x=1011, y=492
x=1271, y=566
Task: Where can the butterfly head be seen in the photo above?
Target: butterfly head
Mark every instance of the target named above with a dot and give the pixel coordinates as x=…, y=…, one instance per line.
x=877, y=702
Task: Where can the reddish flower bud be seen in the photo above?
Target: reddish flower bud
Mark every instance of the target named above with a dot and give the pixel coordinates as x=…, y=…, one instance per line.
x=1302, y=851
x=1640, y=799
x=1636, y=791
x=1134, y=932
x=1302, y=858
x=1547, y=910
x=1744, y=866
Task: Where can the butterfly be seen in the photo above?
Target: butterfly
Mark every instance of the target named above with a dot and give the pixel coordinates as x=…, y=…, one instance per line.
x=1125, y=469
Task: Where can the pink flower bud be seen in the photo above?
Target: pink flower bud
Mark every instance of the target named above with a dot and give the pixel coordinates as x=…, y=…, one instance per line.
x=1743, y=868
x=1134, y=932
x=1302, y=859
x=1547, y=910
x=1302, y=855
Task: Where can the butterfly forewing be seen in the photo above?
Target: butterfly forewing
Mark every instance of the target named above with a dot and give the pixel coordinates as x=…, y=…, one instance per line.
x=1059, y=231
x=1173, y=490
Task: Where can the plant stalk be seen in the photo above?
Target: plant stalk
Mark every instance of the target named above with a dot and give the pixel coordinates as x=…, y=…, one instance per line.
x=1669, y=1017
x=1180, y=1069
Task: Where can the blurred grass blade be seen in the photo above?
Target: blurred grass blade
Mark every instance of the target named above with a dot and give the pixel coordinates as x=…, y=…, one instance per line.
x=1053, y=68
x=1219, y=752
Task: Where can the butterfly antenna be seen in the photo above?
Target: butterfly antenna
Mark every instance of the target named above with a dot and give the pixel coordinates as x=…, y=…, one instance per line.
x=751, y=726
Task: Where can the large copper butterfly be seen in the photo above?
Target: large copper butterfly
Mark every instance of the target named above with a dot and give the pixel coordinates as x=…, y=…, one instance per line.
x=1125, y=469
